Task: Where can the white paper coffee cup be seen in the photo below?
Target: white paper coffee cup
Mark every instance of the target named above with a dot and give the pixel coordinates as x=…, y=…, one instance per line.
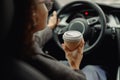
x=72, y=39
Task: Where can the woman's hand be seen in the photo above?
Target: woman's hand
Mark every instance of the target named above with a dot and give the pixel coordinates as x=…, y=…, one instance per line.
x=53, y=21
x=74, y=57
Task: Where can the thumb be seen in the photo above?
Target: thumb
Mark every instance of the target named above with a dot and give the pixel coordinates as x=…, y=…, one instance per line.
x=54, y=13
x=64, y=48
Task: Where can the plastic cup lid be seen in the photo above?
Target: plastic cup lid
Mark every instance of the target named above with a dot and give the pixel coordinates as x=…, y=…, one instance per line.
x=72, y=35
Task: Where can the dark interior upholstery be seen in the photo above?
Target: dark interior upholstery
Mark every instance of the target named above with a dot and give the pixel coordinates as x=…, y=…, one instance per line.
x=12, y=68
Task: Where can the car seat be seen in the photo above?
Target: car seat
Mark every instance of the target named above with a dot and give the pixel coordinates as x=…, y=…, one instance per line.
x=11, y=67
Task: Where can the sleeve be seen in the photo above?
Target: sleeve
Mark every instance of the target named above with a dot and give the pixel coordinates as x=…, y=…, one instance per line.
x=40, y=38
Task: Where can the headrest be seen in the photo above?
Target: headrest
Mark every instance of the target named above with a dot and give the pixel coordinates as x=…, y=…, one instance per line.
x=12, y=11
x=12, y=19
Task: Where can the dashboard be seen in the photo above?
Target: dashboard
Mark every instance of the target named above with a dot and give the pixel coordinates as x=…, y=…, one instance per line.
x=86, y=12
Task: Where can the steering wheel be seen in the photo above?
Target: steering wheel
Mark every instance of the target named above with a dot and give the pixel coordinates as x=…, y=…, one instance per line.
x=81, y=24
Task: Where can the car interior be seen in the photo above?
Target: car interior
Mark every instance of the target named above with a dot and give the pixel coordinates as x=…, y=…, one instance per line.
x=99, y=23
x=102, y=33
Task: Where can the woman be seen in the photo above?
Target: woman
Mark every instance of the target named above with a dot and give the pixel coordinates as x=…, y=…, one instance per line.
x=31, y=17
x=40, y=38
x=51, y=67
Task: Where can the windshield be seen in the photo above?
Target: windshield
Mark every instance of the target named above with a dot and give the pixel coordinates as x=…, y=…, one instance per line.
x=107, y=1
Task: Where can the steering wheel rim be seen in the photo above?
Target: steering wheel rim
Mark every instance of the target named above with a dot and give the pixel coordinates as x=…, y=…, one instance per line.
x=102, y=22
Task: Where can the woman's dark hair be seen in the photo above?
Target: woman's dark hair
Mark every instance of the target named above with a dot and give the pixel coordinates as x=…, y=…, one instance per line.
x=20, y=35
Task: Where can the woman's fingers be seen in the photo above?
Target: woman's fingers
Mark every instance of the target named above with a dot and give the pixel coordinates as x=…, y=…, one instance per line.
x=65, y=48
x=53, y=21
x=81, y=47
x=55, y=14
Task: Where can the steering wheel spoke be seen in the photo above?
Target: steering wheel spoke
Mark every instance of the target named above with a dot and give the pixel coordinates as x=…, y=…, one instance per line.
x=63, y=22
x=62, y=26
x=60, y=31
x=92, y=20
